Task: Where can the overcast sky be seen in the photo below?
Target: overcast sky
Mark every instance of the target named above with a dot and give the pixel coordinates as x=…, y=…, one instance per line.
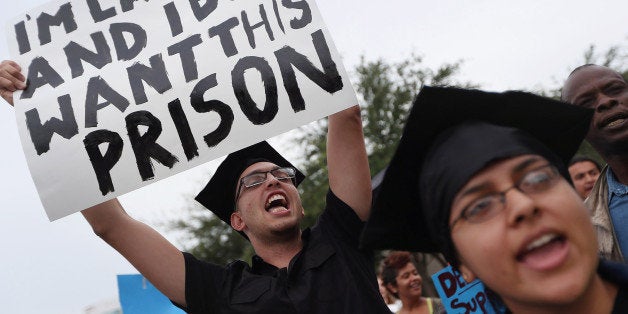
x=61, y=267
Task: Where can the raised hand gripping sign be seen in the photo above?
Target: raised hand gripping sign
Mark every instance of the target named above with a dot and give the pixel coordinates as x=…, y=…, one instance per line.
x=124, y=93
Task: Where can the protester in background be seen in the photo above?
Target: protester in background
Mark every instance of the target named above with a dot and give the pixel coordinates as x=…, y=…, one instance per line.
x=606, y=93
x=255, y=191
x=401, y=279
x=481, y=177
x=584, y=171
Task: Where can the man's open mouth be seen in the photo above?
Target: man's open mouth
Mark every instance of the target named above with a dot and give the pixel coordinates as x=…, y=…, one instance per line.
x=276, y=203
x=614, y=120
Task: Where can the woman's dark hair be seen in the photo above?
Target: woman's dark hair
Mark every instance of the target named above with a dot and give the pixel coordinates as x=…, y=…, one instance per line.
x=391, y=265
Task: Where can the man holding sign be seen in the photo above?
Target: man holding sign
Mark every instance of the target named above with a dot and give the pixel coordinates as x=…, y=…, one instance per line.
x=124, y=94
x=318, y=270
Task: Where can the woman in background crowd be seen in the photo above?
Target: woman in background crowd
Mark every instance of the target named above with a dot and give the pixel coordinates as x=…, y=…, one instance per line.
x=401, y=278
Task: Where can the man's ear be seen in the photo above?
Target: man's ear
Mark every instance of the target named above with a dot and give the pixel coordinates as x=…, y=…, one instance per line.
x=236, y=221
x=467, y=273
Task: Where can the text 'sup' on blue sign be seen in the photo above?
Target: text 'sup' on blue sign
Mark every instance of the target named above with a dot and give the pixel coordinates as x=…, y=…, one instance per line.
x=139, y=296
x=459, y=296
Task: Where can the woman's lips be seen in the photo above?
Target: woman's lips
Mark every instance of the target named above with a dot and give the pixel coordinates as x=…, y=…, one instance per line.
x=545, y=252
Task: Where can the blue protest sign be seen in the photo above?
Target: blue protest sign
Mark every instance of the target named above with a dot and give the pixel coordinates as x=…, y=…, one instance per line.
x=139, y=296
x=459, y=296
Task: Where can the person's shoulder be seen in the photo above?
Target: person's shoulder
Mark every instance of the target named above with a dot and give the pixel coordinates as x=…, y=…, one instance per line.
x=395, y=307
x=435, y=300
x=194, y=263
x=614, y=272
x=437, y=305
x=597, y=202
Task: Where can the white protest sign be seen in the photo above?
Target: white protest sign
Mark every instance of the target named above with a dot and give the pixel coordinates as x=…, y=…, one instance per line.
x=124, y=93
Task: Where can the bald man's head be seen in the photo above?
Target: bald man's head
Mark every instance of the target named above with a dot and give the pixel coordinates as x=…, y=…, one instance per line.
x=605, y=91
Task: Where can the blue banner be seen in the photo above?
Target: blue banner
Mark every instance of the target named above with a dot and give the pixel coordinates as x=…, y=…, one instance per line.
x=139, y=296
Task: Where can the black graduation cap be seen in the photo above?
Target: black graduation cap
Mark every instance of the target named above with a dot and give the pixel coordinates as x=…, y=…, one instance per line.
x=399, y=218
x=219, y=193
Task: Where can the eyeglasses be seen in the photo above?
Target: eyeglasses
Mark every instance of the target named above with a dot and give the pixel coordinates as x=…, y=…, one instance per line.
x=533, y=182
x=257, y=178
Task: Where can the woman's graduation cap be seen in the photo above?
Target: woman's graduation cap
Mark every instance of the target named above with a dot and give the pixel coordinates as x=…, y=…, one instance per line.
x=433, y=155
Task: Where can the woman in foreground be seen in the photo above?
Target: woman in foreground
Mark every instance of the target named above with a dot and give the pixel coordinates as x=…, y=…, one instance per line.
x=481, y=178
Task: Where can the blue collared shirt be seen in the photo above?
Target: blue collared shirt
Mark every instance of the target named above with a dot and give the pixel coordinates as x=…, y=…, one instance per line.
x=618, y=207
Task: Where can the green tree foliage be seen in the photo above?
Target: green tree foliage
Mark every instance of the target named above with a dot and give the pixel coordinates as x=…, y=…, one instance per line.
x=614, y=58
x=385, y=91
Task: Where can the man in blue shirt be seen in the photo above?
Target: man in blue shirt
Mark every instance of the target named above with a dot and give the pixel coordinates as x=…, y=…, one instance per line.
x=606, y=92
x=618, y=206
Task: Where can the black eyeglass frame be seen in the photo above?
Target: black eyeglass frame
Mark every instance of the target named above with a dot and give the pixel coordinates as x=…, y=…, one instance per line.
x=291, y=171
x=502, y=194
